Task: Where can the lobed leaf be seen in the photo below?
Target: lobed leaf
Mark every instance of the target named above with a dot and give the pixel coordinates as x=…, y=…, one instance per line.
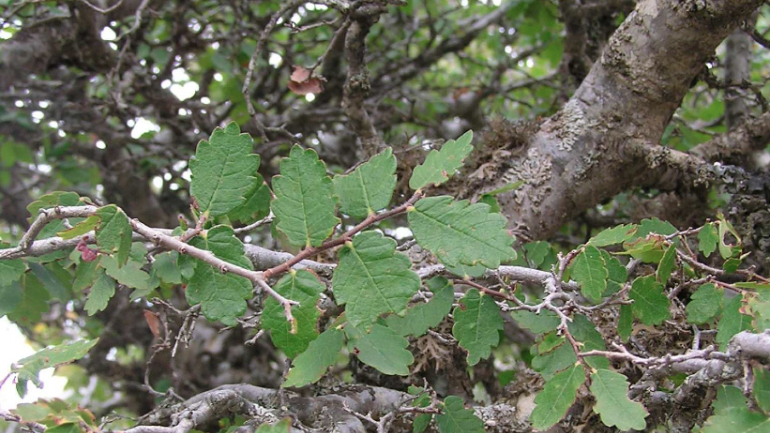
x=101, y=292
x=704, y=304
x=223, y=170
x=461, y=233
x=650, y=302
x=29, y=367
x=455, y=418
x=477, y=325
x=303, y=203
x=423, y=316
x=708, y=239
x=612, y=403
x=369, y=187
x=113, y=235
x=311, y=364
x=614, y=235
x=557, y=397
x=732, y=322
x=381, y=348
x=440, y=165
x=293, y=338
x=589, y=270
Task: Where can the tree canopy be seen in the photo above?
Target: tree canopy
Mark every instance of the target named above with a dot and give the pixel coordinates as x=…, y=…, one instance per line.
x=387, y=215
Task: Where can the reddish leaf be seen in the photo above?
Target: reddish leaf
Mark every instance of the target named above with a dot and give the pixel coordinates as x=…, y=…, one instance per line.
x=153, y=321
x=87, y=254
x=300, y=74
x=302, y=83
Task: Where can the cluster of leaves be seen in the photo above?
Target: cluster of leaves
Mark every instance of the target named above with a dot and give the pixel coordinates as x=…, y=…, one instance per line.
x=378, y=287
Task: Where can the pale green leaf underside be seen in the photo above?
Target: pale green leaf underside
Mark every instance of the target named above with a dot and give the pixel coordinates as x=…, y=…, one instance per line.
x=455, y=418
x=557, y=397
x=80, y=228
x=614, y=235
x=440, y=165
x=369, y=187
x=311, y=364
x=372, y=279
x=589, y=270
x=477, y=322
x=461, y=233
x=29, y=367
x=303, y=287
x=612, y=403
x=381, y=348
x=223, y=170
x=303, y=203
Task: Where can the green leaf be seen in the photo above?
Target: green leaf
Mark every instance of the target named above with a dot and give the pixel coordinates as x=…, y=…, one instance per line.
x=369, y=187
x=10, y=297
x=256, y=204
x=551, y=341
x=373, y=279
x=85, y=274
x=615, y=235
x=727, y=250
x=130, y=275
x=28, y=368
x=650, y=303
x=303, y=201
x=704, y=304
x=381, y=348
x=731, y=414
x=465, y=271
x=101, y=293
x=57, y=198
x=311, y=364
x=655, y=225
x=113, y=236
x=34, y=302
x=461, y=233
x=666, y=265
x=426, y=315
x=761, y=389
x=52, y=283
x=477, y=322
x=439, y=166
x=612, y=403
x=708, y=239
x=557, y=397
x=646, y=250
x=223, y=170
x=80, y=228
x=11, y=271
x=550, y=363
x=537, y=252
x=546, y=321
x=585, y=332
x=293, y=338
x=625, y=322
x=222, y=296
x=589, y=270
x=165, y=267
x=455, y=418
x=732, y=322
x=282, y=426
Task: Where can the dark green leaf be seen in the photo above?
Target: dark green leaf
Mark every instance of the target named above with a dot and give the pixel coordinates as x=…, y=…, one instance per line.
x=477, y=322
x=589, y=270
x=612, y=403
x=455, y=418
x=650, y=302
x=557, y=397
x=293, y=338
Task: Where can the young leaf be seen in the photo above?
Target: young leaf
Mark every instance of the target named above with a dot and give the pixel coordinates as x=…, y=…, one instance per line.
x=589, y=270
x=223, y=170
x=381, y=348
x=439, y=166
x=369, y=187
x=732, y=322
x=704, y=304
x=303, y=201
x=461, y=233
x=557, y=397
x=612, y=403
x=29, y=367
x=256, y=204
x=113, y=235
x=477, y=322
x=101, y=293
x=761, y=389
x=80, y=228
x=708, y=239
x=282, y=426
x=731, y=414
x=222, y=296
x=455, y=418
x=301, y=286
x=311, y=364
x=426, y=315
x=650, y=303
x=666, y=265
x=614, y=235
x=372, y=279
